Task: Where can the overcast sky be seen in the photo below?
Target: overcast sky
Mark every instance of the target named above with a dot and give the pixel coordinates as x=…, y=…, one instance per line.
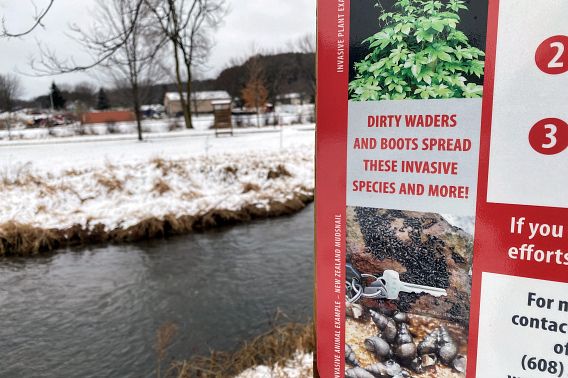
x=261, y=23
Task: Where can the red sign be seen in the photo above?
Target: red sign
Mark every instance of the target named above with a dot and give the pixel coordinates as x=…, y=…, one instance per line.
x=442, y=135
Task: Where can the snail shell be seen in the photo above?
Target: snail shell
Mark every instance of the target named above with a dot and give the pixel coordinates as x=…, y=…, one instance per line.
x=386, y=325
x=350, y=356
x=400, y=317
x=403, y=335
x=448, y=348
x=358, y=372
x=386, y=370
x=406, y=352
x=460, y=364
x=405, y=348
x=416, y=365
x=378, y=346
x=430, y=343
x=379, y=319
x=428, y=360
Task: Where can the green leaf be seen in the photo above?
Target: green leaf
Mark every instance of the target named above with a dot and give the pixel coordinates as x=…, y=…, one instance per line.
x=457, y=36
x=416, y=68
x=473, y=90
x=375, y=67
x=444, y=56
x=438, y=25
x=423, y=35
x=476, y=68
x=419, y=53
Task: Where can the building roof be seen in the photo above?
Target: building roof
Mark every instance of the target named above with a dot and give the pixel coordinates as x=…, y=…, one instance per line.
x=203, y=96
x=289, y=96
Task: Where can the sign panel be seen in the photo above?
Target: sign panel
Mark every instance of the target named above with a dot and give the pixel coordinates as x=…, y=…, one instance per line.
x=441, y=162
x=521, y=251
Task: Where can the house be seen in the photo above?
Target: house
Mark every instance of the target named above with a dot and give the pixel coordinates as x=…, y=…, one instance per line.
x=290, y=99
x=201, y=102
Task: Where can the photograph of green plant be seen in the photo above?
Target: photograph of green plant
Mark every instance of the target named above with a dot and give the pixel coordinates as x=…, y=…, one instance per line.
x=419, y=53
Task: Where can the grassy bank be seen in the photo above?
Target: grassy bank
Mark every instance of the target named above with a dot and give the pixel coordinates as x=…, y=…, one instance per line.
x=46, y=208
x=24, y=240
x=276, y=347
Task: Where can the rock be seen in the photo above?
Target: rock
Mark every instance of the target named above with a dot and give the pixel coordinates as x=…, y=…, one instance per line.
x=424, y=248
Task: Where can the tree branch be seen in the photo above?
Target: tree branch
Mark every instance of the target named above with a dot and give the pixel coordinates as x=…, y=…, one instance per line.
x=39, y=16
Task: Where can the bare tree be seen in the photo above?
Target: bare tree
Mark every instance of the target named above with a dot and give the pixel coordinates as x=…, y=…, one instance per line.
x=255, y=93
x=39, y=15
x=307, y=46
x=120, y=41
x=10, y=90
x=187, y=24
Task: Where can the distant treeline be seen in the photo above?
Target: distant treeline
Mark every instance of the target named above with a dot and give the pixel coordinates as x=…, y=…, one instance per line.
x=282, y=73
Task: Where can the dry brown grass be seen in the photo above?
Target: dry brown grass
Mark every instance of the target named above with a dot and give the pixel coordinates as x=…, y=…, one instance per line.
x=190, y=195
x=19, y=239
x=110, y=183
x=170, y=166
x=164, y=337
x=231, y=170
x=279, y=172
x=22, y=180
x=25, y=240
x=250, y=187
x=41, y=209
x=160, y=164
x=273, y=347
x=72, y=172
x=161, y=187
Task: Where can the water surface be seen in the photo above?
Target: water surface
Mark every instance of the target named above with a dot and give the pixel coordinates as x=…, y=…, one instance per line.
x=94, y=312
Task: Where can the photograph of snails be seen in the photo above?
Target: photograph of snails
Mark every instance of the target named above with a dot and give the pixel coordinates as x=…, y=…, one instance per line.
x=404, y=345
x=418, y=334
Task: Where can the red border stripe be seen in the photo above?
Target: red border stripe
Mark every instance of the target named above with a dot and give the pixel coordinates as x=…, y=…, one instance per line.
x=331, y=176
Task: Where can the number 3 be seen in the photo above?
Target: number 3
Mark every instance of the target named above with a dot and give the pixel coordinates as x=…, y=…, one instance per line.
x=551, y=135
x=555, y=62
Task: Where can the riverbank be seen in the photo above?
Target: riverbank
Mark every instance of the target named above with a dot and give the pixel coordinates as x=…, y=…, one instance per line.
x=95, y=196
x=284, y=352
x=100, y=307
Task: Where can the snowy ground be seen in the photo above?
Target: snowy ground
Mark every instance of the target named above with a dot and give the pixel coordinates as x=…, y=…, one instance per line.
x=117, y=181
x=299, y=367
x=284, y=115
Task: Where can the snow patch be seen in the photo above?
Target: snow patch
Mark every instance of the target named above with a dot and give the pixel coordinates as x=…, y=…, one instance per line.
x=119, y=184
x=301, y=366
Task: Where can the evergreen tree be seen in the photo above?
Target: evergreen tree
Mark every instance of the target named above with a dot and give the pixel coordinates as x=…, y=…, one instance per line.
x=57, y=99
x=102, y=100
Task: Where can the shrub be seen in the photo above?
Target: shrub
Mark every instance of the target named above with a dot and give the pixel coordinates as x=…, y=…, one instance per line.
x=112, y=127
x=419, y=53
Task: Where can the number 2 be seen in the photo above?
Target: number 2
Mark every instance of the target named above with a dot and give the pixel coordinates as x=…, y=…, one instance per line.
x=555, y=62
x=551, y=56
x=551, y=135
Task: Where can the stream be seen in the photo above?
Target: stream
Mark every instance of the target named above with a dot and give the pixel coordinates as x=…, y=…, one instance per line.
x=94, y=312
